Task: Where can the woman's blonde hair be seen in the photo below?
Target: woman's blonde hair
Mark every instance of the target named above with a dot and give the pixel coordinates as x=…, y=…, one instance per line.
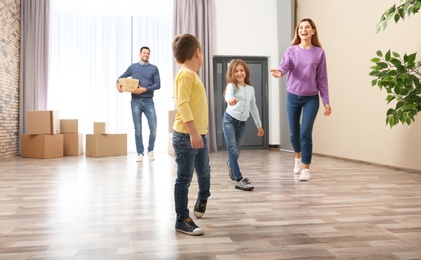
x=314, y=38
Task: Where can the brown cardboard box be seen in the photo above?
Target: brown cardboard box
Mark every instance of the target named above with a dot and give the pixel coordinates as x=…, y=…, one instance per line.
x=102, y=145
x=42, y=146
x=72, y=144
x=69, y=126
x=128, y=84
x=100, y=128
x=171, y=119
x=170, y=147
x=42, y=122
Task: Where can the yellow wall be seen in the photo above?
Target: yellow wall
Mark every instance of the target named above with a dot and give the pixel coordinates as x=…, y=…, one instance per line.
x=356, y=129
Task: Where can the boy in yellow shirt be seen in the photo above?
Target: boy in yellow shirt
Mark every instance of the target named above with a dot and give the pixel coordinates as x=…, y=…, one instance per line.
x=189, y=135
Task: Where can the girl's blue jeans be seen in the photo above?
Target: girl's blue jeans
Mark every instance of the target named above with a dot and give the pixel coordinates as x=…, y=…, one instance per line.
x=234, y=136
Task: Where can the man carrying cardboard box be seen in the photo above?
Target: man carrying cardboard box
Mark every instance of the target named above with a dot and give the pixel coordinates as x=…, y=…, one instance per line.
x=142, y=100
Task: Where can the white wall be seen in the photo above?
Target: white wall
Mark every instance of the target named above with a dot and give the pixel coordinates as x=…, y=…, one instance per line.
x=356, y=129
x=249, y=28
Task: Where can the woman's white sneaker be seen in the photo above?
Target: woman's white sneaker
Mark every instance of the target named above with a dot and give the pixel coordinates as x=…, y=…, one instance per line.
x=297, y=165
x=304, y=175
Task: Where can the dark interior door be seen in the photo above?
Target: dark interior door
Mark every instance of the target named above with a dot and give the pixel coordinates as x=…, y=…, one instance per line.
x=259, y=78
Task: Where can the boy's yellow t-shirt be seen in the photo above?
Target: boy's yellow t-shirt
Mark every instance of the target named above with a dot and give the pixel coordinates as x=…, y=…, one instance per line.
x=191, y=102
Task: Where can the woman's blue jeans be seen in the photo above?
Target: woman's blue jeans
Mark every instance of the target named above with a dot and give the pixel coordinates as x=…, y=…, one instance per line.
x=146, y=106
x=188, y=160
x=234, y=136
x=306, y=108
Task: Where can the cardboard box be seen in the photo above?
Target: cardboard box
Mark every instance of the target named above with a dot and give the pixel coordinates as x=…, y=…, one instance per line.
x=44, y=122
x=72, y=144
x=69, y=126
x=171, y=119
x=170, y=147
x=100, y=128
x=42, y=146
x=103, y=145
x=128, y=84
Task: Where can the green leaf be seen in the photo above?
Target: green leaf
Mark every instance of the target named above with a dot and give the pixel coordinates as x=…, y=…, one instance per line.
x=396, y=17
x=409, y=107
x=396, y=55
x=380, y=84
x=379, y=53
x=389, y=98
x=374, y=73
x=376, y=68
x=374, y=82
x=375, y=60
x=408, y=82
x=392, y=73
x=382, y=65
x=387, y=56
x=395, y=62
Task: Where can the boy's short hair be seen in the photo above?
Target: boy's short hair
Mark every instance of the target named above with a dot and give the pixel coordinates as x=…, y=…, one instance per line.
x=184, y=46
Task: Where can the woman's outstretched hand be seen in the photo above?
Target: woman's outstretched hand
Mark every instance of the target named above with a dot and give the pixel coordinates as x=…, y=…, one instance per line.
x=276, y=73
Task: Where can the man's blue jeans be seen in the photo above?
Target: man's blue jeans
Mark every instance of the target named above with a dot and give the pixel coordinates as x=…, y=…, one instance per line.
x=306, y=108
x=188, y=160
x=146, y=106
x=234, y=136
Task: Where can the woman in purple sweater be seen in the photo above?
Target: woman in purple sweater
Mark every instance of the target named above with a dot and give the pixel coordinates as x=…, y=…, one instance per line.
x=305, y=64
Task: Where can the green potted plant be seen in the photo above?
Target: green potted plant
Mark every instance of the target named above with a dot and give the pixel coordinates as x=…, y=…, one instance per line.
x=399, y=75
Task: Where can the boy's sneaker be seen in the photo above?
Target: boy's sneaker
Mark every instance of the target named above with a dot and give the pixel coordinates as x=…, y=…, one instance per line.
x=139, y=158
x=304, y=175
x=244, y=184
x=297, y=165
x=200, y=207
x=188, y=227
x=230, y=172
x=151, y=156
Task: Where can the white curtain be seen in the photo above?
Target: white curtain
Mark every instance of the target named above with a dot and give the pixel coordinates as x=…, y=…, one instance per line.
x=91, y=44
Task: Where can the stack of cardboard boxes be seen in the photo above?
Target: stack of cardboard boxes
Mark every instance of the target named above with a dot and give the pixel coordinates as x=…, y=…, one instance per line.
x=72, y=139
x=102, y=144
x=49, y=137
x=43, y=138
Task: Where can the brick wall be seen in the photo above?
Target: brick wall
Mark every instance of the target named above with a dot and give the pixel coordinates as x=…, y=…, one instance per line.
x=9, y=77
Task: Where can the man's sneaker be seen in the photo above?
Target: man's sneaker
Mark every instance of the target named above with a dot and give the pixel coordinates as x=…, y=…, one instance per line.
x=139, y=158
x=297, y=165
x=151, y=156
x=188, y=227
x=200, y=207
x=230, y=172
x=244, y=184
x=304, y=175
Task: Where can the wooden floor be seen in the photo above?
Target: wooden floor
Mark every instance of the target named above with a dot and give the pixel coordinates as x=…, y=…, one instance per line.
x=115, y=208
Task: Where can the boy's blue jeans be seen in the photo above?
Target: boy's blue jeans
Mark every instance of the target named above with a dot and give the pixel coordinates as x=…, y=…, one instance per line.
x=146, y=106
x=234, y=136
x=306, y=108
x=188, y=160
